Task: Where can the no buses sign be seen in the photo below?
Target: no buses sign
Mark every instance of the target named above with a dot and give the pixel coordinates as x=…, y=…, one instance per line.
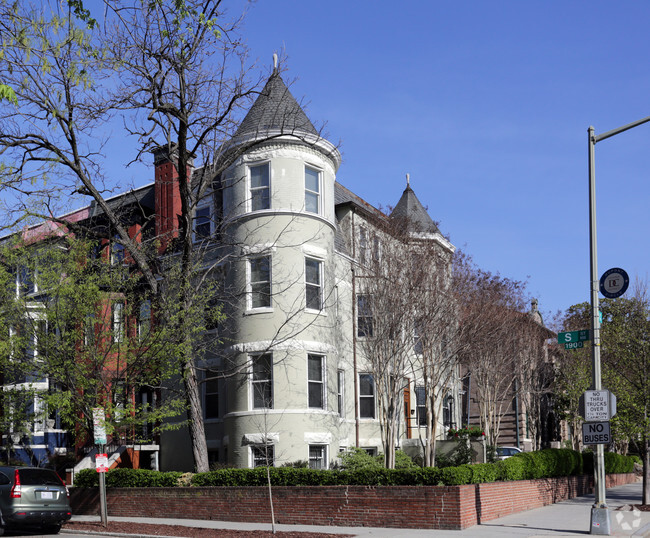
x=596, y=433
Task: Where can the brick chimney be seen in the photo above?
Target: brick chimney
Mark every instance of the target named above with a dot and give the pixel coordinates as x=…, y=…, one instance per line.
x=167, y=193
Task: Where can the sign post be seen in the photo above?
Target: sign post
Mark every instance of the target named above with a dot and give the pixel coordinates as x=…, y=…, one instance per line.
x=101, y=459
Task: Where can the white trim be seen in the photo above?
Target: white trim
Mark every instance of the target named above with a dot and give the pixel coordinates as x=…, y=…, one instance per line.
x=323, y=145
x=261, y=346
x=318, y=438
x=301, y=411
x=261, y=249
x=314, y=251
x=249, y=439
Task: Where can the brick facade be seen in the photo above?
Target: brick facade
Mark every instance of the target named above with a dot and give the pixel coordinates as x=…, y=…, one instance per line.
x=417, y=507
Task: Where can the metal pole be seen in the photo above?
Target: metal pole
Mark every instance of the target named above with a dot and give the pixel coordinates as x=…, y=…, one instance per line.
x=600, y=523
x=599, y=467
x=102, y=494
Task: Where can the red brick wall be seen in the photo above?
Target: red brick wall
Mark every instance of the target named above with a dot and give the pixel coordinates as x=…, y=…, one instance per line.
x=421, y=507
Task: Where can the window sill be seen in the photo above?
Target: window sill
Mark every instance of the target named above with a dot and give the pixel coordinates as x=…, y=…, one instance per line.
x=316, y=312
x=252, y=311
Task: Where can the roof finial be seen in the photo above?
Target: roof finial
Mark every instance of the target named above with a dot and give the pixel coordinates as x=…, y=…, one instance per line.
x=408, y=180
x=275, y=62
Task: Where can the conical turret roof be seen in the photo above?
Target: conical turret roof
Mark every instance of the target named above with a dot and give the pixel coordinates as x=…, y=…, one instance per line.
x=275, y=110
x=412, y=211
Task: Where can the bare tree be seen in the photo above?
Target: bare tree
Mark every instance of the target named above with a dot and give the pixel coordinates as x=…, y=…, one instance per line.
x=176, y=76
x=491, y=322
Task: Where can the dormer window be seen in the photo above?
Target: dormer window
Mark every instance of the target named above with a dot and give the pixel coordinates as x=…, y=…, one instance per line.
x=312, y=190
x=260, y=187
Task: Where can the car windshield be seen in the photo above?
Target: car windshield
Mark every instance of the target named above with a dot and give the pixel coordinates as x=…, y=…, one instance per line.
x=38, y=477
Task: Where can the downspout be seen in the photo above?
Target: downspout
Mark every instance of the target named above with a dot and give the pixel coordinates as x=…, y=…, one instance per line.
x=354, y=338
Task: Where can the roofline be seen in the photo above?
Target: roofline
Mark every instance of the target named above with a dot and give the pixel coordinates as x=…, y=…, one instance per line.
x=296, y=136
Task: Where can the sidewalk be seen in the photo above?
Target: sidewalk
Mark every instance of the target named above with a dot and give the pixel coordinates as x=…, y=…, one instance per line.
x=568, y=518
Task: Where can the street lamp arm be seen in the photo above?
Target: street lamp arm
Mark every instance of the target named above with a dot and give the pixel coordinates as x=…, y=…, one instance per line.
x=613, y=132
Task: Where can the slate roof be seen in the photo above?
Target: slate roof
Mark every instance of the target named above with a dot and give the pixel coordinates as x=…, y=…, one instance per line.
x=410, y=209
x=275, y=110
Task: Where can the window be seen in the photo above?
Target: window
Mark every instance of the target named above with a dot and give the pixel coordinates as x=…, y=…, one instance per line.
x=263, y=455
x=118, y=321
x=117, y=251
x=420, y=402
x=312, y=190
x=260, y=282
x=262, y=379
x=317, y=457
x=260, y=187
x=363, y=245
x=26, y=280
x=119, y=399
x=315, y=374
x=144, y=319
x=211, y=395
x=366, y=396
x=202, y=222
x=376, y=248
x=417, y=340
x=89, y=330
x=448, y=411
x=364, y=316
x=340, y=388
x=313, y=284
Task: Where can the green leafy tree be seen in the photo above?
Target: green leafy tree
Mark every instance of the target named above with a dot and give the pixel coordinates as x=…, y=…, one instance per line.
x=79, y=334
x=625, y=360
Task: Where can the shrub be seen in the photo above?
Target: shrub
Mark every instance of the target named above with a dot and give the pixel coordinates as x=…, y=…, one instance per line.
x=86, y=478
x=456, y=476
x=540, y=464
x=513, y=468
x=357, y=458
x=128, y=478
x=484, y=472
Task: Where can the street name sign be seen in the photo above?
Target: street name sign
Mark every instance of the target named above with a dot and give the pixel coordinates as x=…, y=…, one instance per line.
x=574, y=339
x=596, y=433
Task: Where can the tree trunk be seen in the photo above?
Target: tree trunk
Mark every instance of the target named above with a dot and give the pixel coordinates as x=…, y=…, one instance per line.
x=195, y=414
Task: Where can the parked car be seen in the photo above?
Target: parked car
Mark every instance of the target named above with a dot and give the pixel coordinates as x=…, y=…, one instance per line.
x=504, y=452
x=33, y=497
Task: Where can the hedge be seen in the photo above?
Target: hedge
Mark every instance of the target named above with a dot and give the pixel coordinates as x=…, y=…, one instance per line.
x=527, y=465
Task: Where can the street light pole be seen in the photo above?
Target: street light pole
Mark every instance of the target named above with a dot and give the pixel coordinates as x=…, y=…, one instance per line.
x=600, y=522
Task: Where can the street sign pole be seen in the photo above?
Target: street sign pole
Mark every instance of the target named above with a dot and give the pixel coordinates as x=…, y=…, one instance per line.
x=600, y=522
x=600, y=507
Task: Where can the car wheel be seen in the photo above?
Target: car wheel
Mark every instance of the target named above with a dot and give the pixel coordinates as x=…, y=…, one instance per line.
x=52, y=529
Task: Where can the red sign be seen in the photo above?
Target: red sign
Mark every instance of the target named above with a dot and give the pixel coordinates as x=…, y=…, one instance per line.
x=101, y=463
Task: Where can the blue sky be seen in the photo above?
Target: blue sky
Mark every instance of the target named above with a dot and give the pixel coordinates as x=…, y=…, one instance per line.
x=486, y=105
